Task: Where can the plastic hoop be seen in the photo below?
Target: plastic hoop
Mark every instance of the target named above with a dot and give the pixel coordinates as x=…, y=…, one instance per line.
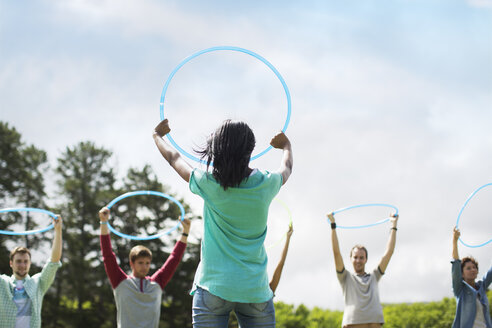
x=278, y=242
x=27, y=209
x=461, y=211
x=220, y=48
x=365, y=205
x=146, y=192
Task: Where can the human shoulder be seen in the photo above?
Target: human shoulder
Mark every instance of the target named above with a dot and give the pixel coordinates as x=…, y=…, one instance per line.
x=342, y=276
x=199, y=175
x=5, y=279
x=265, y=175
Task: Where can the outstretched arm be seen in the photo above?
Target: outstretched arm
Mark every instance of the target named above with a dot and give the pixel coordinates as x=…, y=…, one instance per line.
x=166, y=272
x=456, y=236
x=171, y=155
x=280, y=141
x=113, y=271
x=56, y=251
x=456, y=274
x=339, y=266
x=278, y=270
x=390, y=246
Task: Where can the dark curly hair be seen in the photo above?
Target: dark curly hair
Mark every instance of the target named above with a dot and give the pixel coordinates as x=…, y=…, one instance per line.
x=229, y=150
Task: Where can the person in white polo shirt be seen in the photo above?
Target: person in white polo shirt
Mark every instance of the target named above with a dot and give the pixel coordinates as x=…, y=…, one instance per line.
x=360, y=288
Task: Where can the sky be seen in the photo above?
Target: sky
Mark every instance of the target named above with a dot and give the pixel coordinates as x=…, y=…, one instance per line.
x=391, y=103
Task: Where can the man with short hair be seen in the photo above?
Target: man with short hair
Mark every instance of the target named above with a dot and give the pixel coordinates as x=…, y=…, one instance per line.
x=360, y=289
x=21, y=296
x=138, y=296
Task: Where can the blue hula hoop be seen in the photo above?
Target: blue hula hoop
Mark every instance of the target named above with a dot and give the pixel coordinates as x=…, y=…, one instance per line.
x=146, y=192
x=365, y=205
x=220, y=48
x=461, y=211
x=27, y=209
x=289, y=213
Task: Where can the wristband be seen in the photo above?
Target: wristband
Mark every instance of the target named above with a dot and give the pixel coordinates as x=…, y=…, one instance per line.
x=393, y=228
x=103, y=222
x=184, y=234
x=333, y=225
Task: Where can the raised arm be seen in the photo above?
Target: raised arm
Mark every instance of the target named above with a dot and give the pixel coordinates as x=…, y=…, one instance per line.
x=456, y=274
x=47, y=275
x=280, y=141
x=456, y=236
x=166, y=272
x=171, y=155
x=113, y=270
x=390, y=247
x=278, y=270
x=56, y=251
x=339, y=266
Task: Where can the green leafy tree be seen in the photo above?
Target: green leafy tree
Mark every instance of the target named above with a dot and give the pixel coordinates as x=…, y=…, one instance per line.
x=86, y=179
x=287, y=316
x=419, y=315
x=21, y=185
x=11, y=165
x=319, y=318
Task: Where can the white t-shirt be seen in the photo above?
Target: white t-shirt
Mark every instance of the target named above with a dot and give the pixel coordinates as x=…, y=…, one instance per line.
x=23, y=302
x=479, y=318
x=361, y=296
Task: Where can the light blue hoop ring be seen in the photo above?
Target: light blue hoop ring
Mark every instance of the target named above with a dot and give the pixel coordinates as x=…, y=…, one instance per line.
x=146, y=192
x=220, y=48
x=461, y=211
x=27, y=209
x=289, y=213
x=365, y=205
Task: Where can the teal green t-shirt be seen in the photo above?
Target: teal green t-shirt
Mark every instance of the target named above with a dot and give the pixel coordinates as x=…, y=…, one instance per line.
x=233, y=261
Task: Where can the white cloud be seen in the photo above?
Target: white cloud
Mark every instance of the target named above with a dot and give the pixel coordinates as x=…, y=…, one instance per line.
x=165, y=20
x=480, y=3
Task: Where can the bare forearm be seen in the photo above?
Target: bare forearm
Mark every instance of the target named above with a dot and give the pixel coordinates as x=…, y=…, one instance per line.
x=455, y=250
x=336, y=251
x=278, y=270
x=285, y=250
x=276, y=276
x=170, y=154
x=56, y=251
x=173, y=157
x=287, y=163
x=390, y=248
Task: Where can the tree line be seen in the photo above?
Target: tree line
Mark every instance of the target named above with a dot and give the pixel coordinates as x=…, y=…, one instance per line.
x=406, y=315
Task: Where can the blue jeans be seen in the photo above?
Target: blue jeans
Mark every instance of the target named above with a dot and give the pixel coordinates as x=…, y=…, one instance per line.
x=210, y=311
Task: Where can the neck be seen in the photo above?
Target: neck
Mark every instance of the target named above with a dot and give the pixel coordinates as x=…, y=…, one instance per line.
x=470, y=282
x=19, y=277
x=137, y=276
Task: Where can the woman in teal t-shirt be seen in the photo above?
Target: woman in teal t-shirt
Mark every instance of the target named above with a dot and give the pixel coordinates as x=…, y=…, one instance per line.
x=232, y=272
